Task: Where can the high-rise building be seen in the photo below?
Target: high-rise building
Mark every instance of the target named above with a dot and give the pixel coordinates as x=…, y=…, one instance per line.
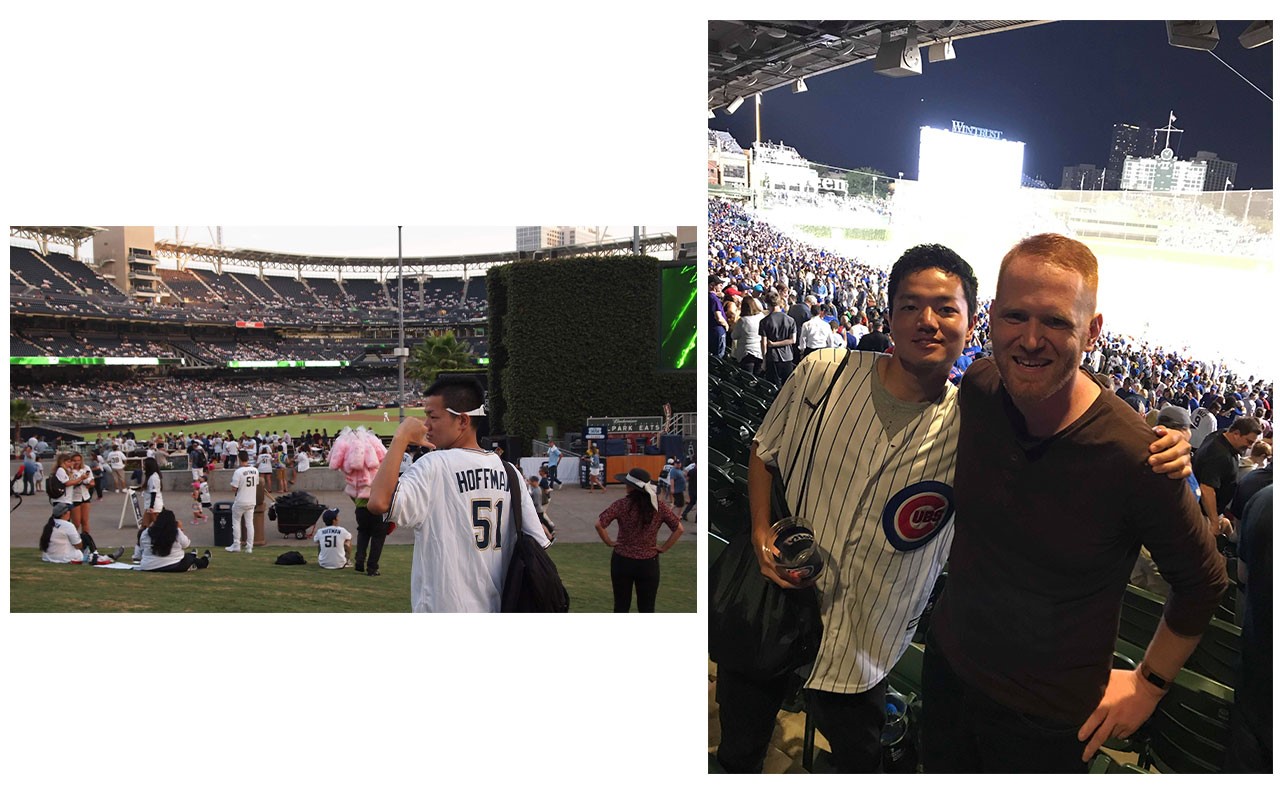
x=1084, y=176
x=1216, y=172
x=1126, y=141
x=533, y=238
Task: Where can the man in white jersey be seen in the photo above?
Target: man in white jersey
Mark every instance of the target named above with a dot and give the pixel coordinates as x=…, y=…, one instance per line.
x=334, y=541
x=245, y=482
x=458, y=500
x=881, y=433
x=1203, y=422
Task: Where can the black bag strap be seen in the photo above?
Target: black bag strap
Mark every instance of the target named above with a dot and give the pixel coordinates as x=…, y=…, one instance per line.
x=517, y=485
x=818, y=413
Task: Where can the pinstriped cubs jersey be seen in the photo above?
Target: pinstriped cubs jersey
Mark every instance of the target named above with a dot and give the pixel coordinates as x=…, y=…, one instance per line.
x=458, y=503
x=881, y=508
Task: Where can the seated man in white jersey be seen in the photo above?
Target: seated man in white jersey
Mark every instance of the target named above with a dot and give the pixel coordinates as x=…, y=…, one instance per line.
x=459, y=501
x=334, y=541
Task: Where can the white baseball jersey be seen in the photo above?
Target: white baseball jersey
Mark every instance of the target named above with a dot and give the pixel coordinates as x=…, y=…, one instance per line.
x=458, y=503
x=232, y=448
x=332, y=553
x=881, y=508
x=245, y=482
x=155, y=497
x=1203, y=424
x=62, y=544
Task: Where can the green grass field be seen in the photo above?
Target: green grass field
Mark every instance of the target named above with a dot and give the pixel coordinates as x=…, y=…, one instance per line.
x=295, y=424
x=252, y=583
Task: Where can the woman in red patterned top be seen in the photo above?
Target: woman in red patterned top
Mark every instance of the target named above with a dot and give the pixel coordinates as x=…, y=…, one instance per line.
x=635, y=552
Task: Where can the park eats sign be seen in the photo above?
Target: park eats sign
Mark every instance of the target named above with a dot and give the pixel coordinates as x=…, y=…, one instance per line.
x=978, y=132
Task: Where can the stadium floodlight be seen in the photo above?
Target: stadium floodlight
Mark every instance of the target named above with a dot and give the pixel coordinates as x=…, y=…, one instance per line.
x=942, y=51
x=711, y=113
x=900, y=58
x=733, y=106
x=1257, y=34
x=798, y=87
x=1200, y=34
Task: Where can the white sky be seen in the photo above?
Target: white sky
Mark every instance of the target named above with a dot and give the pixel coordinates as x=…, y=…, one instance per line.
x=370, y=240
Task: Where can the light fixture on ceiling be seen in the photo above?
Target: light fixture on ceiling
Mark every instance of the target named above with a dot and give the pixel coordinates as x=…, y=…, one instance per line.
x=1257, y=34
x=798, y=87
x=1200, y=34
x=733, y=106
x=900, y=58
x=942, y=51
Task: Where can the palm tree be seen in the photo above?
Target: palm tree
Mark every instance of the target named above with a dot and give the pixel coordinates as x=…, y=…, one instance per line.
x=20, y=413
x=437, y=354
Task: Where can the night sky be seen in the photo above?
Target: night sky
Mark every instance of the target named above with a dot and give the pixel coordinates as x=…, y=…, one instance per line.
x=1057, y=87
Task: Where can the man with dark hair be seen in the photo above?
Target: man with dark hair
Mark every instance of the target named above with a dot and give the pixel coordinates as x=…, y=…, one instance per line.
x=778, y=330
x=459, y=501
x=718, y=324
x=1053, y=499
x=877, y=340
x=846, y=408
x=1216, y=467
x=815, y=334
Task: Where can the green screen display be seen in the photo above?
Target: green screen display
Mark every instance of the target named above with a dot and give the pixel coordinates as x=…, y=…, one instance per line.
x=275, y=364
x=48, y=360
x=679, y=324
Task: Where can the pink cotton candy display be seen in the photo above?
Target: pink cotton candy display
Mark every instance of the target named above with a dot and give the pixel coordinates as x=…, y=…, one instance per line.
x=357, y=453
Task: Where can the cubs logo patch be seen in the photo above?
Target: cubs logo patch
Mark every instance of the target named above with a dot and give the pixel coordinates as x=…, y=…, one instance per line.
x=914, y=514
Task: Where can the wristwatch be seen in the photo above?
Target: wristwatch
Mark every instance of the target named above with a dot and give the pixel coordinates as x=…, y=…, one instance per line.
x=1152, y=678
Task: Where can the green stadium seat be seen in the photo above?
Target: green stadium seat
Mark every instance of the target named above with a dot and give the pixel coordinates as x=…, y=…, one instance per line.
x=1103, y=763
x=717, y=457
x=907, y=675
x=1188, y=731
x=731, y=511
x=1215, y=657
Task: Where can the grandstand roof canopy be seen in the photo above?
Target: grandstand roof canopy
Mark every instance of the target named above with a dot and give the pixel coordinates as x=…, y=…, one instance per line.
x=248, y=256
x=62, y=235
x=748, y=57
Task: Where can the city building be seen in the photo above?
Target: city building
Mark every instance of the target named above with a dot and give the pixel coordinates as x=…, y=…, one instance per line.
x=1218, y=173
x=726, y=162
x=534, y=238
x=1084, y=176
x=1127, y=140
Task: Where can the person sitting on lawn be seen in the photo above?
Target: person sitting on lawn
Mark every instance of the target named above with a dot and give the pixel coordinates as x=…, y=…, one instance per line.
x=60, y=543
x=162, y=547
x=334, y=542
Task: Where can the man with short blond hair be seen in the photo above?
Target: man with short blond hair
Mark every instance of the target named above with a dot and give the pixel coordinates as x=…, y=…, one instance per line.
x=1053, y=499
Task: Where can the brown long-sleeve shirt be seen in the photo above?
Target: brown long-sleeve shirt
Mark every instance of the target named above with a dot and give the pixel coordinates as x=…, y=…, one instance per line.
x=1047, y=532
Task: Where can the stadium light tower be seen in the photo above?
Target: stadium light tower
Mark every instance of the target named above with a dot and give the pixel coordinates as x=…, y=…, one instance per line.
x=401, y=351
x=1223, y=205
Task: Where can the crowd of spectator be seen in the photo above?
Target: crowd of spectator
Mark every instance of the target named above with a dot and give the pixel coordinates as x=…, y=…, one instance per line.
x=755, y=260
x=185, y=399
x=202, y=295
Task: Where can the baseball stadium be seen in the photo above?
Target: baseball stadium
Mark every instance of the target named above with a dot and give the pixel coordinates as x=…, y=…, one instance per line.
x=788, y=235
x=162, y=348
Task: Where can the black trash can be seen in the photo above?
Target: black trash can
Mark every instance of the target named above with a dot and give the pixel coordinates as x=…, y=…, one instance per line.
x=222, y=523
